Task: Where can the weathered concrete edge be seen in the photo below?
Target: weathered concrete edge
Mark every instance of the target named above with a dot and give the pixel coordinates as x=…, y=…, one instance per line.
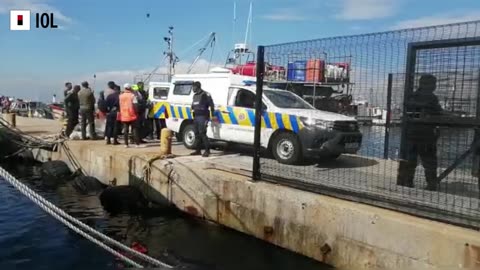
x=344, y=234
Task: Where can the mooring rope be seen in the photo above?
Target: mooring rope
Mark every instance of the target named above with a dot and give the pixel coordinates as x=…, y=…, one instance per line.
x=28, y=140
x=67, y=220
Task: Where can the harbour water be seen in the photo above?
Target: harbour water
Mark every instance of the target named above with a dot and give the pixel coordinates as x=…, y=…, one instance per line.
x=31, y=239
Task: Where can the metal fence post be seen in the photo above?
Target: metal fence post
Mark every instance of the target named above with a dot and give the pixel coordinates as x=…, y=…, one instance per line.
x=409, y=84
x=389, y=117
x=258, y=112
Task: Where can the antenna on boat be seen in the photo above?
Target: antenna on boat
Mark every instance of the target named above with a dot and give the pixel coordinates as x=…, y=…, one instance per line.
x=249, y=23
x=235, y=57
x=172, y=58
x=234, y=20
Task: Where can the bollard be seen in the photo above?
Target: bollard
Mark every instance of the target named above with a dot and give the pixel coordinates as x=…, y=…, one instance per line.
x=10, y=118
x=166, y=142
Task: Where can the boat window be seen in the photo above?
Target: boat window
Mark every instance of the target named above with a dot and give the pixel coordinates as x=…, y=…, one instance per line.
x=182, y=89
x=160, y=92
x=287, y=100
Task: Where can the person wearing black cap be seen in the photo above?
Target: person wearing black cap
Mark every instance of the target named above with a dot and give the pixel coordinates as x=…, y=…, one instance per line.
x=71, y=108
x=202, y=102
x=66, y=91
x=110, y=89
x=87, y=111
x=112, y=102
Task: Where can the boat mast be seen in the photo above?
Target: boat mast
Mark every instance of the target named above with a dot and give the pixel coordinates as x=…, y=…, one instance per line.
x=240, y=49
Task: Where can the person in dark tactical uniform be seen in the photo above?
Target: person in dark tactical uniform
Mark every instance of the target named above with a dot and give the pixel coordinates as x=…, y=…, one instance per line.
x=72, y=106
x=421, y=138
x=202, y=102
x=68, y=89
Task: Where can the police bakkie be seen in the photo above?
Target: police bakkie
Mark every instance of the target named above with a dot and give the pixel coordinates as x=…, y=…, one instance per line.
x=292, y=129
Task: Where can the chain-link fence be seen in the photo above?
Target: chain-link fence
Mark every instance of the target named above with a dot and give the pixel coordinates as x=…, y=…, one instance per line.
x=388, y=118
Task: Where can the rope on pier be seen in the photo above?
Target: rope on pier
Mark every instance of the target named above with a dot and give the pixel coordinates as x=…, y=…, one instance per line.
x=67, y=220
x=26, y=141
x=147, y=169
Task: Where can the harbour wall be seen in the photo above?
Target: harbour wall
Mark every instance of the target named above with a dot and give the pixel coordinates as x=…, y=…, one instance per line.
x=344, y=234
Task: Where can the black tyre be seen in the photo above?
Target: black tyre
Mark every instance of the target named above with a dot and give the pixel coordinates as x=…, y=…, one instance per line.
x=188, y=135
x=121, y=199
x=178, y=136
x=55, y=173
x=286, y=149
x=87, y=184
x=56, y=168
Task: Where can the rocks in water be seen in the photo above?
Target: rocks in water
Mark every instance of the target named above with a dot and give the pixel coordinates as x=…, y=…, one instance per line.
x=120, y=199
x=87, y=185
x=55, y=172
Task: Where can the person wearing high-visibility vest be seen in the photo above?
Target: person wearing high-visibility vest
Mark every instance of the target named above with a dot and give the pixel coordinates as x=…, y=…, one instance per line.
x=128, y=114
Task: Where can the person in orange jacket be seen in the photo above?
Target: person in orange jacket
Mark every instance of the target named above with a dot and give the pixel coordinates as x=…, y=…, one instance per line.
x=129, y=114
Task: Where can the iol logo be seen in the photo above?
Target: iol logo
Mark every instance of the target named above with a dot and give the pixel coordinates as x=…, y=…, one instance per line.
x=20, y=20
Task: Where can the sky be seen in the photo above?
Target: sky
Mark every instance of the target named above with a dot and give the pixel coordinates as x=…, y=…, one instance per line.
x=116, y=40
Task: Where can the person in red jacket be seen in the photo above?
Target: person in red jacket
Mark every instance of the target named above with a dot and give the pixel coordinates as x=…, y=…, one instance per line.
x=128, y=113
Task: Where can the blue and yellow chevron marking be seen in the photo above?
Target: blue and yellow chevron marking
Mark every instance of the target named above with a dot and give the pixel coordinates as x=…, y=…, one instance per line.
x=159, y=110
x=232, y=116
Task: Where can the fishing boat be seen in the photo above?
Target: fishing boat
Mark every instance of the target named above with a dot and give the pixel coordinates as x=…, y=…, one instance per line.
x=58, y=110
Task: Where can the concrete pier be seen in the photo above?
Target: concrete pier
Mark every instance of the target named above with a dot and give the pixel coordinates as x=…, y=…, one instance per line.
x=341, y=233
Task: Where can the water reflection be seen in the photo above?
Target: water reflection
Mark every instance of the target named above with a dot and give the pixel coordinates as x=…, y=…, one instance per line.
x=30, y=239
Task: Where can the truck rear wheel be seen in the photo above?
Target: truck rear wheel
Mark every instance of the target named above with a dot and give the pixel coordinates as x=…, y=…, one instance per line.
x=188, y=135
x=287, y=149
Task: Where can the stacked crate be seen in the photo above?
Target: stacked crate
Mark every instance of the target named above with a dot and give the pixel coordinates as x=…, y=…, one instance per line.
x=312, y=70
x=296, y=71
x=315, y=70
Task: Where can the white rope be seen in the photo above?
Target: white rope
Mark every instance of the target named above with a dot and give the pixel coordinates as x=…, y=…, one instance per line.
x=60, y=215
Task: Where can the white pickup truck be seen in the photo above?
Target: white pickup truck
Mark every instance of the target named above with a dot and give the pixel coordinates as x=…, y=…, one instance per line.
x=291, y=128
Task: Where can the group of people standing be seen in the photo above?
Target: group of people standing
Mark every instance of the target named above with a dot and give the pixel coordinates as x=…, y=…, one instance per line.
x=125, y=111
x=5, y=104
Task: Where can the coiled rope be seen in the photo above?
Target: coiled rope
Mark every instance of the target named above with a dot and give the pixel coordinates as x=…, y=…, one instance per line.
x=63, y=217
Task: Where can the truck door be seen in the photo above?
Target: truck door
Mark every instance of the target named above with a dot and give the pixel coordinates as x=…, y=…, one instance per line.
x=240, y=115
x=158, y=94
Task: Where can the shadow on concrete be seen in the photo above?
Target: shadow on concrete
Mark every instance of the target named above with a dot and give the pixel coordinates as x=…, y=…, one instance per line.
x=36, y=132
x=469, y=190
x=348, y=162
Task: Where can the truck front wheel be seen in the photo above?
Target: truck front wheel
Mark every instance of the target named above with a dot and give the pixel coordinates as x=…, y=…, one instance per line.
x=287, y=149
x=189, y=140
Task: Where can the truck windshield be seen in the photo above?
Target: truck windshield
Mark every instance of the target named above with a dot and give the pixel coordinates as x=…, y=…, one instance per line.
x=286, y=100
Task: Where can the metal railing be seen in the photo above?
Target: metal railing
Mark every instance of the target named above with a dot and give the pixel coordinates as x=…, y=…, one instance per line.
x=417, y=150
